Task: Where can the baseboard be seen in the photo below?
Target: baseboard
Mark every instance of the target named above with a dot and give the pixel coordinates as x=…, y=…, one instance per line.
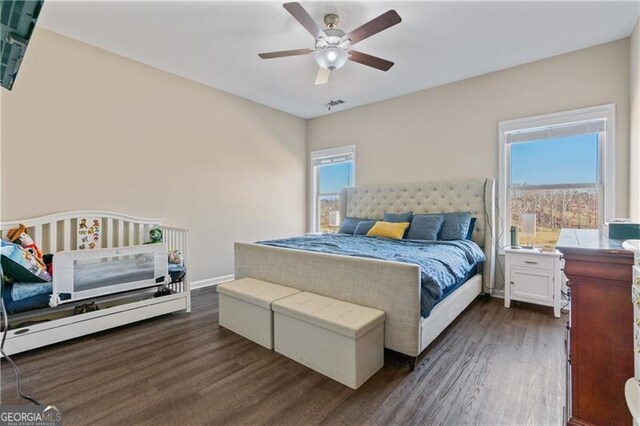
x=499, y=294
x=211, y=281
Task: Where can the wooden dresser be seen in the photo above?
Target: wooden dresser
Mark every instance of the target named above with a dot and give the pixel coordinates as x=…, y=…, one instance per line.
x=600, y=330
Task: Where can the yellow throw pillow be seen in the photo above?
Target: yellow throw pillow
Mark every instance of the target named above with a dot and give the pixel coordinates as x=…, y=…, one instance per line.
x=388, y=229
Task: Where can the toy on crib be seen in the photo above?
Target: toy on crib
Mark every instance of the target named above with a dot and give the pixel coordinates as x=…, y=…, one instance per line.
x=19, y=236
x=175, y=257
x=155, y=235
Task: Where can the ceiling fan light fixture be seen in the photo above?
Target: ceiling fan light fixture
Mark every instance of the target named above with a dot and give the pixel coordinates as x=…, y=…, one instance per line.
x=331, y=58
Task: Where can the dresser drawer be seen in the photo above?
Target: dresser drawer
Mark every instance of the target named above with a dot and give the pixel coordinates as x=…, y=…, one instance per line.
x=636, y=305
x=532, y=261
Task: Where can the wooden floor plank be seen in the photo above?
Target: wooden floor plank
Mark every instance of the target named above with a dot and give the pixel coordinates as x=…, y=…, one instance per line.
x=492, y=366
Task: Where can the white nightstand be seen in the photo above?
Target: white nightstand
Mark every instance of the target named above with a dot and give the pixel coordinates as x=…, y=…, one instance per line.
x=533, y=276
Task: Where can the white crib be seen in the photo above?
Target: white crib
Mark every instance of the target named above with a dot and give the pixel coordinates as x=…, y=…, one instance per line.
x=57, y=233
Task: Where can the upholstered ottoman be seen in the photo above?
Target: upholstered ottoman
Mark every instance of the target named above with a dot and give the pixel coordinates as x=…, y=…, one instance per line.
x=336, y=338
x=245, y=308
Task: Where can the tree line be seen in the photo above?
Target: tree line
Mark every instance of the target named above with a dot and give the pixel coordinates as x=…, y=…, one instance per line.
x=558, y=208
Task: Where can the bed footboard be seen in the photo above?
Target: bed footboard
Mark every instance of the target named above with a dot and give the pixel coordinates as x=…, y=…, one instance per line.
x=393, y=287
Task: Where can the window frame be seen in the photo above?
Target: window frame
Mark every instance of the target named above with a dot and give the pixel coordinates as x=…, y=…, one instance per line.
x=314, y=182
x=606, y=172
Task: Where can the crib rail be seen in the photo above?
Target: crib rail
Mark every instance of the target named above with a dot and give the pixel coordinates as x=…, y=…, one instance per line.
x=176, y=239
x=57, y=232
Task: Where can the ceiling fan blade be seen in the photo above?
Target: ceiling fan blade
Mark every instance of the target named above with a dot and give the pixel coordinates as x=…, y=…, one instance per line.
x=323, y=76
x=283, y=53
x=297, y=11
x=369, y=60
x=374, y=26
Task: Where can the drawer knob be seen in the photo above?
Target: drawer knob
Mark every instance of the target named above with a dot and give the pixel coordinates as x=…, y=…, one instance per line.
x=531, y=262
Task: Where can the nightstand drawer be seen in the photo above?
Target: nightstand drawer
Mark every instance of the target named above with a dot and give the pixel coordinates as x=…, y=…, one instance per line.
x=532, y=260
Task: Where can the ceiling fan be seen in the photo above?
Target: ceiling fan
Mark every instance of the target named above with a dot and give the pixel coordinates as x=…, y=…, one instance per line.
x=332, y=45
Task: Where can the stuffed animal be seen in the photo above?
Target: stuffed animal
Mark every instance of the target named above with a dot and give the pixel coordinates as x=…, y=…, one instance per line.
x=155, y=236
x=175, y=257
x=19, y=236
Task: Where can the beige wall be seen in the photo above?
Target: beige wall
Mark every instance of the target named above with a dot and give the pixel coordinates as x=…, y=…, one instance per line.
x=634, y=90
x=87, y=129
x=451, y=131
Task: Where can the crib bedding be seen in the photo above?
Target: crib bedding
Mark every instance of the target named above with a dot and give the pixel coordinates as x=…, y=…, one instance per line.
x=21, y=297
x=21, y=291
x=444, y=265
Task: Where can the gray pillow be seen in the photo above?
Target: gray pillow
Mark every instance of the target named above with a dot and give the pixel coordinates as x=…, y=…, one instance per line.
x=348, y=225
x=398, y=217
x=364, y=226
x=425, y=227
x=455, y=226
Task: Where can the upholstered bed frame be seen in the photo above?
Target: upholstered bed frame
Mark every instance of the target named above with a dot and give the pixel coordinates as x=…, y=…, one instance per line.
x=390, y=286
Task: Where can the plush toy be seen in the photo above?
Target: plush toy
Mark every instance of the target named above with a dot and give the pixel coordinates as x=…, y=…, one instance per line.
x=175, y=257
x=155, y=236
x=19, y=236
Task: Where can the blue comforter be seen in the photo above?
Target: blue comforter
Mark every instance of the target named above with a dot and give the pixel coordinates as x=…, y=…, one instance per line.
x=444, y=265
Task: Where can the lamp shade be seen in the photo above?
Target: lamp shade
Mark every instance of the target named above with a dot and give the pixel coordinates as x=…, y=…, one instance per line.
x=334, y=218
x=331, y=57
x=528, y=224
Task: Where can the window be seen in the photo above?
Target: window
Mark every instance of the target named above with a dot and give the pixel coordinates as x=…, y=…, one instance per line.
x=559, y=167
x=331, y=170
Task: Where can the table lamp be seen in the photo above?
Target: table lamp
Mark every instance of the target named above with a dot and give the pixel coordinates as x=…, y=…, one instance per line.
x=334, y=218
x=528, y=225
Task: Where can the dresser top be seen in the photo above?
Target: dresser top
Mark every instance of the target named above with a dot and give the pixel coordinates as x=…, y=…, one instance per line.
x=587, y=239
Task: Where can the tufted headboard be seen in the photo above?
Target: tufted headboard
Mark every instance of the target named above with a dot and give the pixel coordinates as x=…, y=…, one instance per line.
x=476, y=196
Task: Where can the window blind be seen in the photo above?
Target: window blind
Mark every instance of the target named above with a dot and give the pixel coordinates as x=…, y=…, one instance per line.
x=333, y=159
x=556, y=131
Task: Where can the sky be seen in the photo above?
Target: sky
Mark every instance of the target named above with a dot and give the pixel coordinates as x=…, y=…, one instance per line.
x=571, y=159
x=334, y=177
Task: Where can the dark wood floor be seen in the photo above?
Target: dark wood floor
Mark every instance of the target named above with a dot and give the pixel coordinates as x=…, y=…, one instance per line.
x=492, y=366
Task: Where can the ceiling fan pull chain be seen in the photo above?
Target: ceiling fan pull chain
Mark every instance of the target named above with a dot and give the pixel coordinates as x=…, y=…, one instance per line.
x=330, y=90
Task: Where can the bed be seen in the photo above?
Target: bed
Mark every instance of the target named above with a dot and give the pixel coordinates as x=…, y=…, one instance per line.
x=392, y=286
x=444, y=265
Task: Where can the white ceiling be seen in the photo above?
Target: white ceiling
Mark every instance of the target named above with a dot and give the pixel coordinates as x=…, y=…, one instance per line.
x=217, y=43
